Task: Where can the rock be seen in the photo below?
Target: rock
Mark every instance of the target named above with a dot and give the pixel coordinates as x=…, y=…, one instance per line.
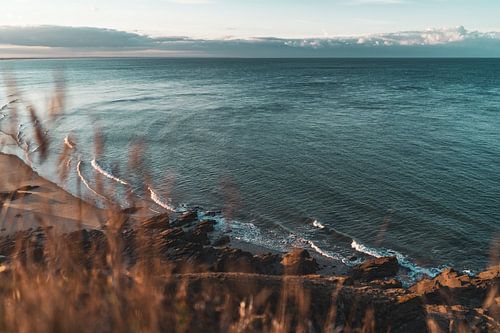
x=157, y=222
x=28, y=188
x=186, y=218
x=234, y=260
x=131, y=210
x=375, y=269
x=206, y=226
x=268, y=263
x=174, y=233
x=223, y=240
x=386, y=284
x=492, y=272
x=447, y=278
x=213, y=213
x=299, y=262
x=353, y=258
x=456, y=318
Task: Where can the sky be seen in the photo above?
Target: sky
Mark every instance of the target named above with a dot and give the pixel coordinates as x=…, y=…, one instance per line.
x=221, y=20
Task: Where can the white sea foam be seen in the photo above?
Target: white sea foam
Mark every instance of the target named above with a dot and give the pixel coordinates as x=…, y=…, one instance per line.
x=403, y=260
x=320, y=250
x=84, y=181
x=156, y=198
x=103, y=172
x=318, y=224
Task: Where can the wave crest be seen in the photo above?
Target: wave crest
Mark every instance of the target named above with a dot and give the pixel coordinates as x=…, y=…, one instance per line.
x=99, y=169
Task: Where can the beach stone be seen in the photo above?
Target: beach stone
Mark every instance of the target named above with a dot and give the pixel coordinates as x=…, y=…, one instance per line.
x=187, y=217
x=386, y=284
x=234, y=260
x=299, y=262
x=223, y=240
x=157, y=222
x=206, y=226
x=268, y=263
x=375, y=269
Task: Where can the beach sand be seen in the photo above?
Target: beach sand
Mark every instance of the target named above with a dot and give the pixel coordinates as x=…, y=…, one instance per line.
x=29, y=201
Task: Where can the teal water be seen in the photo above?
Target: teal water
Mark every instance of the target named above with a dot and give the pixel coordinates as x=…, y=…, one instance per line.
x=390, y=156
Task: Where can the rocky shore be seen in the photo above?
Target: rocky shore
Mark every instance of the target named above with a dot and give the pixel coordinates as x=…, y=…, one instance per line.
x=229, y=281
x=204, y=280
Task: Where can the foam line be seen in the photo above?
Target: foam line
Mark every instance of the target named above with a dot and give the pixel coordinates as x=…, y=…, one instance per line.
x=156, y=198
x=402, y=259
x=84, y=181
x=99, y=169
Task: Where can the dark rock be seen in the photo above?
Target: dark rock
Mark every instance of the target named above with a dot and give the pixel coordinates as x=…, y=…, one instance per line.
x=222, y=241
x=187, y=218
x=213, y=213
x=28, y=188
x=353, y=258
x=375, y=269
x=173, y=233
x=234, y=260
x=299, y=262
x=206, y=226
x=386, y=284
x=157, y=222
x=268, y=263
x=130, y=210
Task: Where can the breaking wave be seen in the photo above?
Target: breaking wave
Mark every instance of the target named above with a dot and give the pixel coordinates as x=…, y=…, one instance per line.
x=68, y=143
x=103, y=172
x=156, y=198
x=84, y=181
x=417, y=271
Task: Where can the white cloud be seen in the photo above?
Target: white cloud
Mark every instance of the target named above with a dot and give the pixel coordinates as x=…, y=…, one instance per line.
x=432, y=42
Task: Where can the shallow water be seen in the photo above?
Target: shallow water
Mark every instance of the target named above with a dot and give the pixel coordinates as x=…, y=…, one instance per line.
x=390, y=156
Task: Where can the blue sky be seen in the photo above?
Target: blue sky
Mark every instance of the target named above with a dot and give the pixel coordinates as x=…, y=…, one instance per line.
x=256, y=18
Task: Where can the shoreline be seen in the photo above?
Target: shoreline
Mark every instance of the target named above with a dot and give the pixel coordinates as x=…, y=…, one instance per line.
x=190, y=263
x=47, y=203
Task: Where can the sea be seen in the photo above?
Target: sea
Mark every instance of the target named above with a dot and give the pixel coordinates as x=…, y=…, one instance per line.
x=346, y=157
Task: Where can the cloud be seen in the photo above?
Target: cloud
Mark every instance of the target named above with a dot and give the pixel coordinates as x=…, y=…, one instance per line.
x=55, y=36
x=451, y=42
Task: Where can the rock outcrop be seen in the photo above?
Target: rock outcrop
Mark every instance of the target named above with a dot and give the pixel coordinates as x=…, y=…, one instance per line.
x=375, y=269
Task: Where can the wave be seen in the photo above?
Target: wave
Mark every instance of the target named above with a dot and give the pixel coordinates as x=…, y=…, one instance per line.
x=318, y=225
x=320, y=250
x=84, y=181
x=156, y=198
x=250, y=233
x=6, y=106
x=417, y=271
x=103, y=172
x=68, y=143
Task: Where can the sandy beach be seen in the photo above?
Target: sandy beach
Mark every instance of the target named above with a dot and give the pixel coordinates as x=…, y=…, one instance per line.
x=29, y=200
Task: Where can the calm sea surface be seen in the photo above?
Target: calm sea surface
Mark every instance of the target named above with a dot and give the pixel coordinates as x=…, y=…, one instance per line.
x=389, y=156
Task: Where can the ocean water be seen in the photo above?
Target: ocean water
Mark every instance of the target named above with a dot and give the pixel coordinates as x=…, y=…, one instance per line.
x=391, y=156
